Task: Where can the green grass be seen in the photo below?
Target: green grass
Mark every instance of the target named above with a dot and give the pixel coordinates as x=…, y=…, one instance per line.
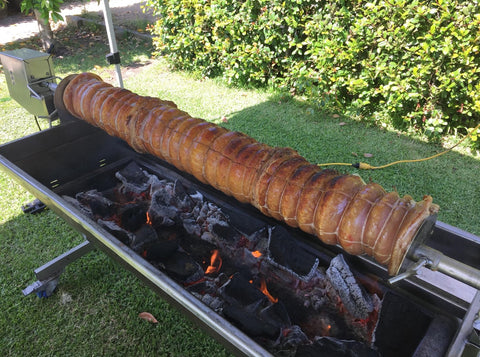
x=95, y=309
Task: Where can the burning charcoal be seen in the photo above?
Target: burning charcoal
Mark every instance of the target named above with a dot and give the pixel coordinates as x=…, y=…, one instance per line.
x=145, y=235
x=202, y=287
x=292, y=336
x=332, y=347
x=198, y=288
x=276, y=314
x=242, y=290
x=317, y=298
x=353, y=296
x=83, y=209
x=286, y=252
x=204, y=211
x=183, y=200
x=213, y=302
x=197, y=197
x=224, y=230
x=191, y=227
x=132, y=173
x=118, y=232
x=133, y=215
x=160, y=250
x=218, y=223
x=250, y=323
x=98, y=204
x=165, y=194
x=208, y=237
x=160, y=212
x=134, y=179
x=183, y=267
x=256, y=238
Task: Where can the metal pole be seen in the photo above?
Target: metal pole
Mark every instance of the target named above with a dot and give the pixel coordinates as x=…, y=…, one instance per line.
x=451, y=267
x=112, y=42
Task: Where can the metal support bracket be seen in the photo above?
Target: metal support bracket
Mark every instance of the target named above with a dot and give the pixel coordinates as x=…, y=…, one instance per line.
x=113, y=58
x=49, y=273
x=467, y=338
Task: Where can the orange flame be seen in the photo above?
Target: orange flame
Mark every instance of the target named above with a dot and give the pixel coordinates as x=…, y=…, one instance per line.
x=149, y=220
x=325, y=329
x=263, y=289
x=256, y=254
x=215, y=263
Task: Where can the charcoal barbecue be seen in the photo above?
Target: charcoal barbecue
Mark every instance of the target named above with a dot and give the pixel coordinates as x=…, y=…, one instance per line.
x=73, y=158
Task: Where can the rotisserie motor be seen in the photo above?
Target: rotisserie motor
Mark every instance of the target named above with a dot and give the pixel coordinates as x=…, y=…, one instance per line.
x=338, y=209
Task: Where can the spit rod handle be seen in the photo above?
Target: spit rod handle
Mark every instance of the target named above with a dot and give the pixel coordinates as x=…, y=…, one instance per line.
x=411, y=271
x=451, y=267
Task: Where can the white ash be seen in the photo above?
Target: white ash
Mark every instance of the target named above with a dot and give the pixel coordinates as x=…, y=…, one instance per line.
x=213, y=302
x=353, y=296
x=135, y=180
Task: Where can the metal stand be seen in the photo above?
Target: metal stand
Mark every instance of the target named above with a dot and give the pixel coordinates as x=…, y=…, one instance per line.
x=49, y=273
x=467, y=339
x=113, y=57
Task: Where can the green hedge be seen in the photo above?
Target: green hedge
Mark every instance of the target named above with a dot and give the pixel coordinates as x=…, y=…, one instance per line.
x=408, y=63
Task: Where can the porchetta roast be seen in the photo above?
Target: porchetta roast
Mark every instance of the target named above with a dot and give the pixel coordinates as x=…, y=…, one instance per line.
x=338, y=209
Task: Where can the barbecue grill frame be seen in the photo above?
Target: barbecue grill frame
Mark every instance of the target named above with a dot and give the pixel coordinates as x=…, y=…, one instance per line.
x=112, y=151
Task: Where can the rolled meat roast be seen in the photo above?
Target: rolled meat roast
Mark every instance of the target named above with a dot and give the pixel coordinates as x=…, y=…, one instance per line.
x=338, y=209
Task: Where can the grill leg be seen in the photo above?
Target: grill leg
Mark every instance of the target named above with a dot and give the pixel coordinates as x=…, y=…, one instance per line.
x=49, y=273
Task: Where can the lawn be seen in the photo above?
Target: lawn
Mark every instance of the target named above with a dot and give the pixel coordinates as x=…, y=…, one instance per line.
x=95, y=308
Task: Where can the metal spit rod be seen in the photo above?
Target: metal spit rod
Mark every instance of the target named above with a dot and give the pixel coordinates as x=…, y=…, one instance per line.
x=437, y=261
x=425, y=256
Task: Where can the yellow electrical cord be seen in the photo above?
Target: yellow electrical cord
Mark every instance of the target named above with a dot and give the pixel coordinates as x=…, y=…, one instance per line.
x=365, y=166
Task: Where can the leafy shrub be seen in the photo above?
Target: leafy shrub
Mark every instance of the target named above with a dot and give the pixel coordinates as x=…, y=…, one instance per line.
x=407, y=63
x=413, y=62
x=249, y=42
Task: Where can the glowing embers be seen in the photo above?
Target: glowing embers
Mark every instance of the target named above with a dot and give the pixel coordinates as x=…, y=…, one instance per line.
x=263, y=282
x=256, y=254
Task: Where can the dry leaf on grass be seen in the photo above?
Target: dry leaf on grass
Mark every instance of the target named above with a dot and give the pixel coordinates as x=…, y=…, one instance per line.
x=342, y=123
x=148, y=317
x=368, y=155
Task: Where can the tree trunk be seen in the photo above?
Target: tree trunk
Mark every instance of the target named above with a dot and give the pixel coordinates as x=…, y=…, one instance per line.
x=46, y=33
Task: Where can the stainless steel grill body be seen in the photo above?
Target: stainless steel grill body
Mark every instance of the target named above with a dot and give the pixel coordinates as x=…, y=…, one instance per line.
x=72, y=157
